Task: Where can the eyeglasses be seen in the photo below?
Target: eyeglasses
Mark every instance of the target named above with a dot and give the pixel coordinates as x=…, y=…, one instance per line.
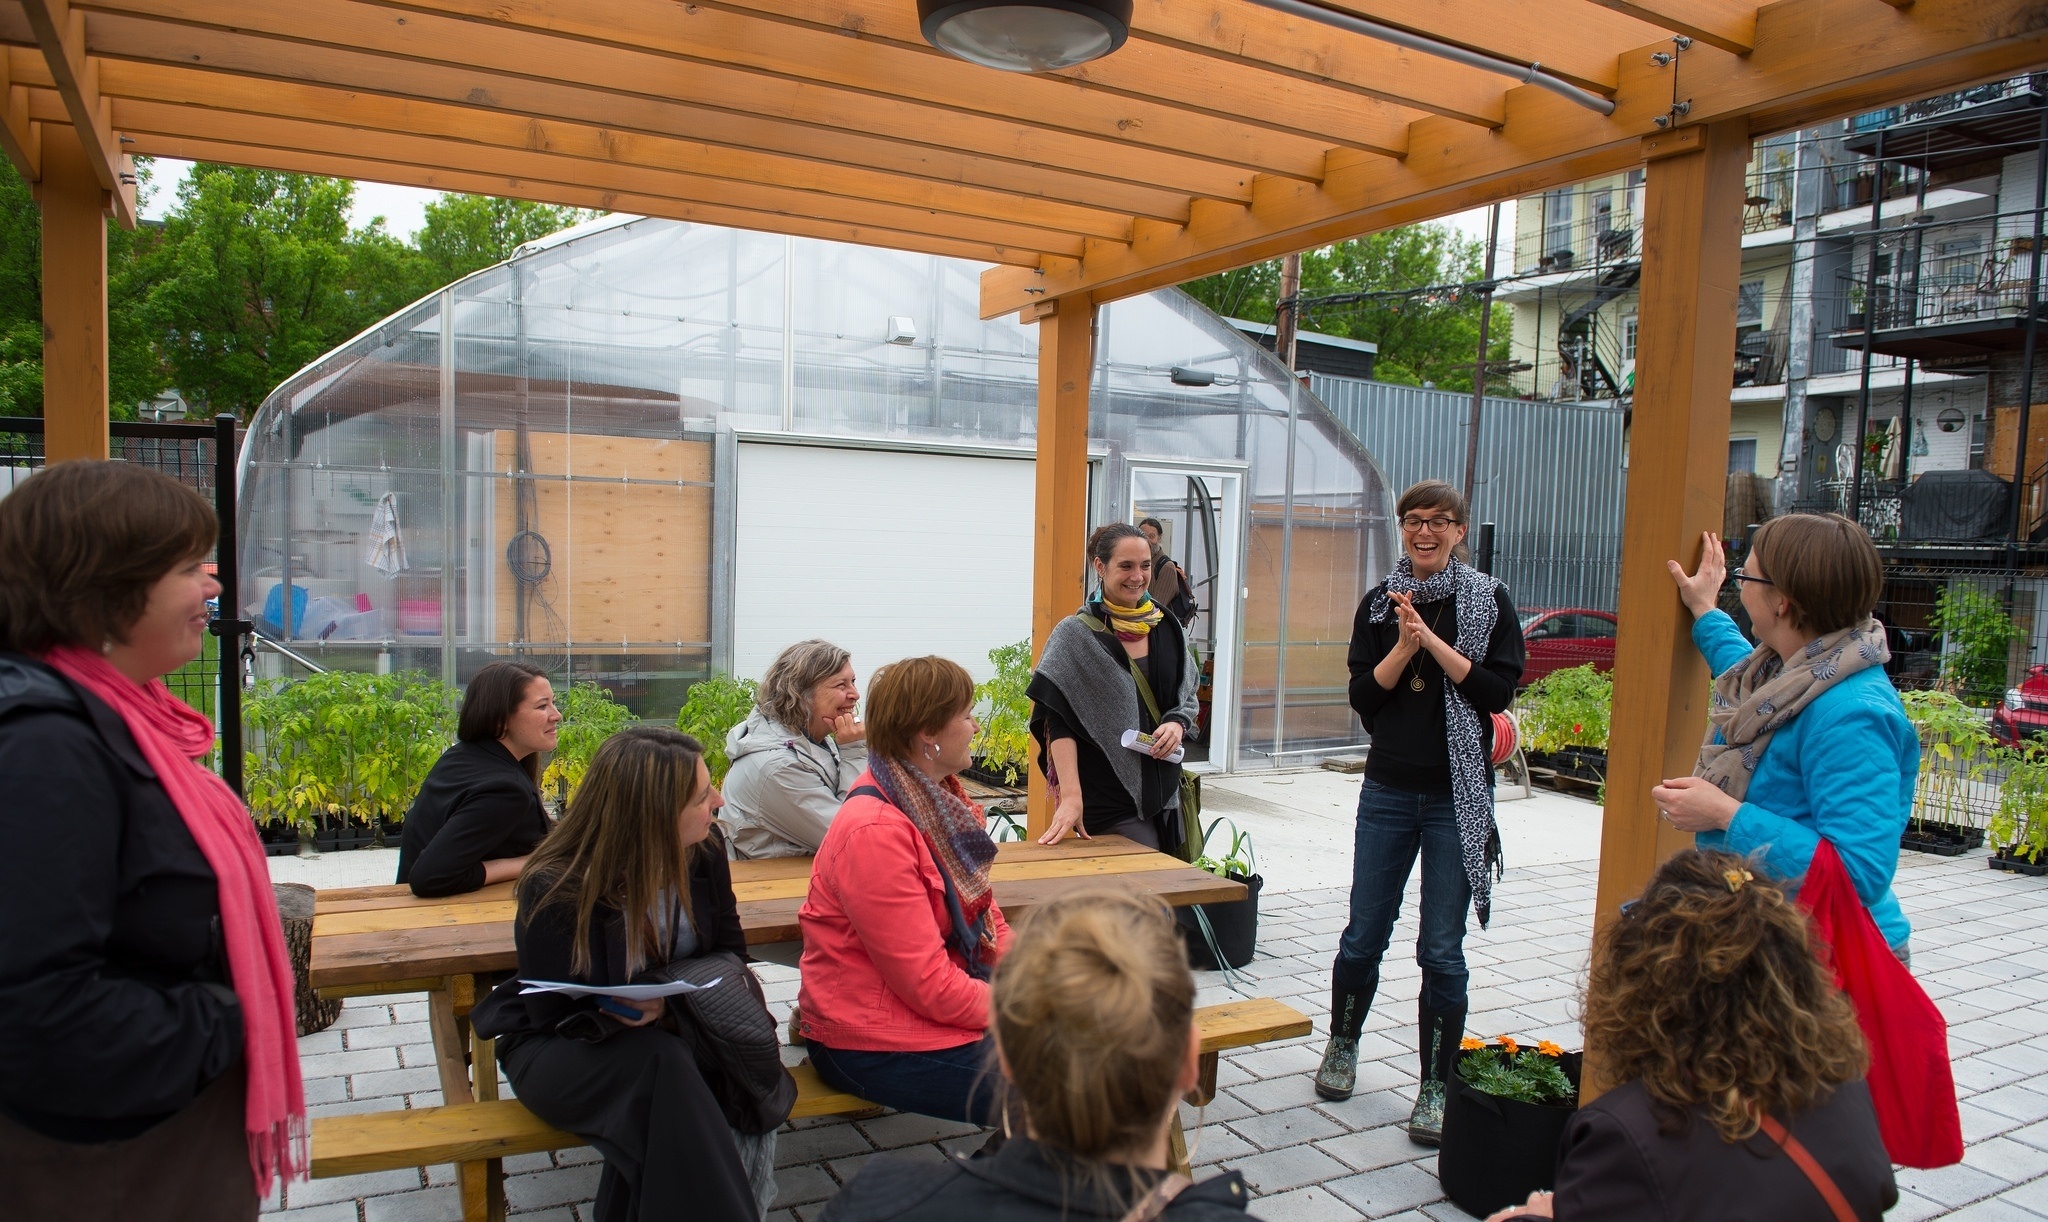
x=1435, y=526
x=1739, y=575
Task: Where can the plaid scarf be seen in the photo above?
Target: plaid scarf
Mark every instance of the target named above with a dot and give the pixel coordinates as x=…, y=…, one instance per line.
x=1764, y=691
x=954, y=827
x=1130, y=623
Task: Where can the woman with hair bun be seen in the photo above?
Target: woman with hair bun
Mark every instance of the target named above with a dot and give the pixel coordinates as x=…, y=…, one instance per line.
x=1119, y=663
x=1094, y=1026
x=1728, y=1059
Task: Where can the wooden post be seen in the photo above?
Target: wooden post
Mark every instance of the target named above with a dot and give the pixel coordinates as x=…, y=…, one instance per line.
x=74, y=207
x=1066, y=360
x=1678, y=462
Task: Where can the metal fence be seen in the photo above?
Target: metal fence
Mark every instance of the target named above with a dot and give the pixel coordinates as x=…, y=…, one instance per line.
x=202, y=457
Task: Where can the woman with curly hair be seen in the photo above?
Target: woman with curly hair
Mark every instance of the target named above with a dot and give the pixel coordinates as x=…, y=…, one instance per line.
x=1732, y=1066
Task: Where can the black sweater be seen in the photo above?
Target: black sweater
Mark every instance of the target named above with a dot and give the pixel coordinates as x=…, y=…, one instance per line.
x=1023, y=1182
x=476, y=805
x=1407, y=727
x=546, y=939
x=114, y=1006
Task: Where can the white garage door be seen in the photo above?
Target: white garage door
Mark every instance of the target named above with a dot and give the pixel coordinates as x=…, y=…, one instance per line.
x=889, y=554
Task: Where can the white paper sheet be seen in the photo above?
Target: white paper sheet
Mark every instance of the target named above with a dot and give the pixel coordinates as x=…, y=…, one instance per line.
x=624, y=992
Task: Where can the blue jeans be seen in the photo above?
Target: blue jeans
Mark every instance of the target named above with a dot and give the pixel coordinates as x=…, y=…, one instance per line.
x=950, y=1083
x=1393, y=825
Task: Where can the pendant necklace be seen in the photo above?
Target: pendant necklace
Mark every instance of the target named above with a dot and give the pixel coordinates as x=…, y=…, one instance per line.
x=1415, y=683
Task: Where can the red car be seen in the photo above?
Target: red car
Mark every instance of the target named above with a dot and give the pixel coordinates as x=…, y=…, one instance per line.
x=1567, y=637
x=2023, y=714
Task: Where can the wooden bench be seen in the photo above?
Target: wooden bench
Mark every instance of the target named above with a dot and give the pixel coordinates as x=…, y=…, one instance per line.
x=478, y=1136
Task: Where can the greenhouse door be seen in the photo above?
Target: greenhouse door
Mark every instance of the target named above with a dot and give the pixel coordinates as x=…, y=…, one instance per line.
x=1202, y=511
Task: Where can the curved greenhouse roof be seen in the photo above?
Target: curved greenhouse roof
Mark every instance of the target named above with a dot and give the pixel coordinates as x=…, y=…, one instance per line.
x=643, y=451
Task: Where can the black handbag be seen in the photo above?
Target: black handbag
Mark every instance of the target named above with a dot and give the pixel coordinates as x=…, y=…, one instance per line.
x=733, y=1037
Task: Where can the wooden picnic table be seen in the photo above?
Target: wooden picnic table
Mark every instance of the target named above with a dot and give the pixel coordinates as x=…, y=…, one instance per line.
x=369, y=940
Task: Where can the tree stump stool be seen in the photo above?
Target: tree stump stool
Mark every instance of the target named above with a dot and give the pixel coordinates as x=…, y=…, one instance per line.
x=295, y=906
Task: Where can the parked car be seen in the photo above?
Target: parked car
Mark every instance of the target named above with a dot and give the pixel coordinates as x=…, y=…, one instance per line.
x=2023, y=714
x=1566, y=637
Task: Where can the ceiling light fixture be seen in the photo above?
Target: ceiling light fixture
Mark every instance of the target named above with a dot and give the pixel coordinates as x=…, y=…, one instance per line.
x=1025, y=35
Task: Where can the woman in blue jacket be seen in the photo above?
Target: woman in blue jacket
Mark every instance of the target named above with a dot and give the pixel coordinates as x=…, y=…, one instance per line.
x=1806, y=740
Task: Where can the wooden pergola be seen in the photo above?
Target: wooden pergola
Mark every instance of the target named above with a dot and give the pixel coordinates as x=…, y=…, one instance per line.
x=1223, y=132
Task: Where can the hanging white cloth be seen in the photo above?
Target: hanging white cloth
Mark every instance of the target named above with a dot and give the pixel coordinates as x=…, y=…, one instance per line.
x=387, y=549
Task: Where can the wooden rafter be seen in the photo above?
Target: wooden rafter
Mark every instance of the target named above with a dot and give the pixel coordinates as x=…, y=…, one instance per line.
x=1727, y=24
x=20, y=138
x=1576, y=43
x=59, y=32
x=1813, y=59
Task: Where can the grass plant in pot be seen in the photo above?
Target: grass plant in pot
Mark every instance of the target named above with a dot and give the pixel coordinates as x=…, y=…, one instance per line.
x=1504, y=1119
x=1233, y=926
x=1564, y=718
x=2019, y=829
x=1956, y=752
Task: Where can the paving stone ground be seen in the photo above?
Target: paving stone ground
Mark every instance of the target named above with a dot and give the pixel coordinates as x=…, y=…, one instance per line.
x=1978, y=946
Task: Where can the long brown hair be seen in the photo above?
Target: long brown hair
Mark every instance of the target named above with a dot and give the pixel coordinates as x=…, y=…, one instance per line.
x=619, y=845
x=1706, y=990
x=488, y=704
x=1093, y=1004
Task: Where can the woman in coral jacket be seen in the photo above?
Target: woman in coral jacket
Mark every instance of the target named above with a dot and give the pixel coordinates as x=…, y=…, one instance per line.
x=901, y=928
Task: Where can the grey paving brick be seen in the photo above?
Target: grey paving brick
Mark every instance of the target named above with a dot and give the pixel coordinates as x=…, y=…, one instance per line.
x=348, y=1107
x=906, y=1128
x=1304, y=1205
x=561, y=1186
x=522, y=1164
x=819, y=1144
x=392, y=1082
x=1275, y=1130
x=367, y=1060
x=1913, y=1208
x=426, y=1205
x=1223, y=1108
x=1951, y=1186
x=2012, y=1161
x=1293, y=1167
x=803, y=1185
x=576, y=1156
x=1217, y=1144
x=1369, y=1111
x=1388, y=1190
x=326, y=1090
x=1281, y=1062
x=844, y=1169
x=1372, y=1149
x=1997, y=1210
x=2016, y=1101
x=2032, y=1195
x=389, y=1035
x=339, y=1211
x=329, y=1040
x=363, y=1012
x=301, y=1193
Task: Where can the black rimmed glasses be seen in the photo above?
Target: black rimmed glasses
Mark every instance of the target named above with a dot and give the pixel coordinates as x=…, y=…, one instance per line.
x=1739, y=575
x=1435, y=526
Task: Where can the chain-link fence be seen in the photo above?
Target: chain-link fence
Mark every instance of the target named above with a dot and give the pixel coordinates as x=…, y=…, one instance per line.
x=195, y=455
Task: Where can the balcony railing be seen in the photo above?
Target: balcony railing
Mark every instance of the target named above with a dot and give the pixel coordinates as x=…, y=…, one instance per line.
x=1946, y=103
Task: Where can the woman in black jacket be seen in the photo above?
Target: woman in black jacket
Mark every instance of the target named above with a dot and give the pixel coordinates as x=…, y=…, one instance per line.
x=1094, y=1027
x=1435, y=651
x=478, y=814
x=148, y=1058
x=626, y=883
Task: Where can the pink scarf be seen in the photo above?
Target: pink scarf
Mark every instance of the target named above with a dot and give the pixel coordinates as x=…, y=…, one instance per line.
x=173, y=736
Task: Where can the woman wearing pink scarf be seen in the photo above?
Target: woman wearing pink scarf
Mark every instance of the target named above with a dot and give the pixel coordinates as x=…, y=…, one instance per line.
x=148, y=1065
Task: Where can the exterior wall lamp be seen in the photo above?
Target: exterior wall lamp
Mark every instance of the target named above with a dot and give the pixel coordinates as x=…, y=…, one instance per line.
x=1025, y=35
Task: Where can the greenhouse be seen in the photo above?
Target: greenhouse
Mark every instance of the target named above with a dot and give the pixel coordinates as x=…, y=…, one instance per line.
x=643, y=452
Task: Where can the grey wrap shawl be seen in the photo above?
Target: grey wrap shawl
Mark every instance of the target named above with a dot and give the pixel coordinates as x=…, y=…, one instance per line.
x=1105, y=698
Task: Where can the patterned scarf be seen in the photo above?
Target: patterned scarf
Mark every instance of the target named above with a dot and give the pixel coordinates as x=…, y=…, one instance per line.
x=173, y=737
x=1471, y=771
x=1129, y=623
x=1763, y=691
x=954, y=827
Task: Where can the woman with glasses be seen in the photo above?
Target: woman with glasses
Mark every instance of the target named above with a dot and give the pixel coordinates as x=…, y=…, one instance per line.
x=1806, y=740
x=1436, y=649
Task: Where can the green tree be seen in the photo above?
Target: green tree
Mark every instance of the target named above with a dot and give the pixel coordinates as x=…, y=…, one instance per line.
x=1423, y=336
x=466, y=233
x=134, y=372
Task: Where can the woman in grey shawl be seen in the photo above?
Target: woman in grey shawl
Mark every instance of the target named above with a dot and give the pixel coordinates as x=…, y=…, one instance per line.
x=1119, y=663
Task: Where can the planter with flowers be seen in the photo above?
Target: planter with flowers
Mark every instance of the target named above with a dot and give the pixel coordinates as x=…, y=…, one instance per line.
x=1504, y=1118
x=1563, y=719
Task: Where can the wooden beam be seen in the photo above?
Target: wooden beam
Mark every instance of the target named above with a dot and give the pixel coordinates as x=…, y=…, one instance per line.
x=20, y=137
x=432, y=179
x=1066, y=365
x=60, y=34
x=233, y=96
x=1678, y=459
x=1727, y=24
x=680, y=104
x=1573, y=40
x=1814, y=58
x=431, y=152
x=932, y=99
x=880, y=47
x=74, y=300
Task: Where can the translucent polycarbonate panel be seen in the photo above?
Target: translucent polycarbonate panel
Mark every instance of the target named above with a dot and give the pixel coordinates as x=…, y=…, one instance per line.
x=554, y=492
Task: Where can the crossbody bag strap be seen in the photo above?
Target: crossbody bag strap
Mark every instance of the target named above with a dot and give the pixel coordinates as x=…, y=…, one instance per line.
x=1803, y=1159
x=1144, y=684
x=1154, y=1203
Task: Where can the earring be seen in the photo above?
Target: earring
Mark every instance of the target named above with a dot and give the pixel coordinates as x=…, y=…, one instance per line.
x=106, y=646
x=931, y=751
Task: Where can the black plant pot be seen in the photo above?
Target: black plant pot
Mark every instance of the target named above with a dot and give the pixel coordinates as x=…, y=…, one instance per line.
x=1941, y=839
x=279, y=839
x=2012, y=859
x=1497, y=1151
x=1235, y=924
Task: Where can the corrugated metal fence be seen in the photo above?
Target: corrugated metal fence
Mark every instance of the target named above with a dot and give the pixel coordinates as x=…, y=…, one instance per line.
x=1550, y=478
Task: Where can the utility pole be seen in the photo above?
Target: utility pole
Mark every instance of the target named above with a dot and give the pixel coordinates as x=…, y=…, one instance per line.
x=1479, y=369
x=1287, y=317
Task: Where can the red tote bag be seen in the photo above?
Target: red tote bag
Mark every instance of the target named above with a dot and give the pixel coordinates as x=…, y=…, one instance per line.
x=1910, y=1081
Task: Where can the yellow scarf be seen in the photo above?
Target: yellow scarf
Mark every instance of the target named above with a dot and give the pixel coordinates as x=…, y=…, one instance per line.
x=1130, y=623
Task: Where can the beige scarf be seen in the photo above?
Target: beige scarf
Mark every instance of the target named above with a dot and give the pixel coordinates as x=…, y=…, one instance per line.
x=1757, y=695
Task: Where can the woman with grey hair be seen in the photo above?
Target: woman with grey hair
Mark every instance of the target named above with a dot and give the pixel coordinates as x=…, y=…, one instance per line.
x=796, y=756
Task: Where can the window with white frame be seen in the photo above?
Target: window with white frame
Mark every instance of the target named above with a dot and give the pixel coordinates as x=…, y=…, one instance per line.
x=1628, y=338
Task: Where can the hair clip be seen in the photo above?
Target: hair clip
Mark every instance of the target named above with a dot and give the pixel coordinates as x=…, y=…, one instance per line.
x=1736, y=878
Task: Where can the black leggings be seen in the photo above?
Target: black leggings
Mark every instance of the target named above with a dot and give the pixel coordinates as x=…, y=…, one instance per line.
x=638, y=1098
